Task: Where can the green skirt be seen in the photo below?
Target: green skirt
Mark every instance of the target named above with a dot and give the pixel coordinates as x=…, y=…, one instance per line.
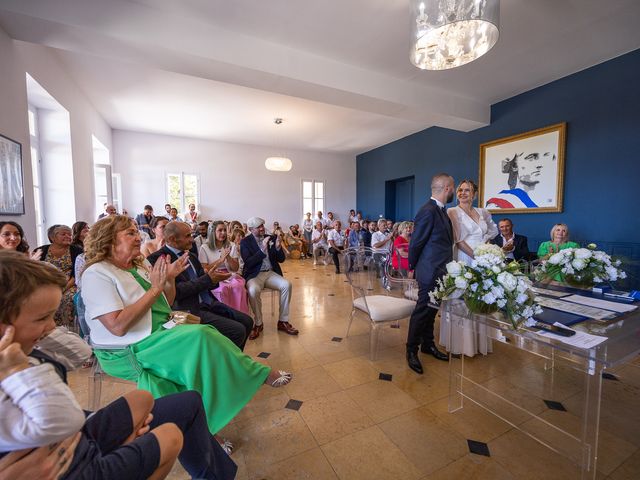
x=190, y=357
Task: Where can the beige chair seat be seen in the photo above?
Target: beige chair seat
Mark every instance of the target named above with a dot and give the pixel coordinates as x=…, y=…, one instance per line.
x=383, y=308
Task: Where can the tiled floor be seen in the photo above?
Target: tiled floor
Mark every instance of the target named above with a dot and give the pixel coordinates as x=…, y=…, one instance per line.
x=353, y=425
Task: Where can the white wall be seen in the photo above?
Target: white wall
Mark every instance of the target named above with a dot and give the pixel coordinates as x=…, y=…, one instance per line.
x=16, y=59
x=234, y=184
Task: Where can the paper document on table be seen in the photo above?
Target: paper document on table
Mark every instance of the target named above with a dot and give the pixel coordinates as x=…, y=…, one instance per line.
x=598, y=303
x=576, y=308
x=580, y=339
x=550, y=293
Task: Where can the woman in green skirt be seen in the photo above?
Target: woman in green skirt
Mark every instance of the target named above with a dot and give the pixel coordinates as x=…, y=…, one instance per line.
x=127, y=305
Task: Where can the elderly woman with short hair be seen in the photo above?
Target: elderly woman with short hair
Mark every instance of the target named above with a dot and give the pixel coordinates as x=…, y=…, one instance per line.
x=559, y=241
x=128, y=309
x=62, y=254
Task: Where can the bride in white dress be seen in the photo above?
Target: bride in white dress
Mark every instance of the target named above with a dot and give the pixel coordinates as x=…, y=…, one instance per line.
x=471, y=227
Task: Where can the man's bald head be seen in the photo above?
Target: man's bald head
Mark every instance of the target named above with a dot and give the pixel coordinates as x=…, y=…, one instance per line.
x=178, y=235
x=440, y=181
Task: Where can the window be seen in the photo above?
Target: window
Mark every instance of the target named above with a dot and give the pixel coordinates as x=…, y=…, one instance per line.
x=312, y=197
x=36, y=171
x=182, y=190
x=102, y=178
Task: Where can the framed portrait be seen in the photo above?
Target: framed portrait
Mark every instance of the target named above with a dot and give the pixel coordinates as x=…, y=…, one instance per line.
x=11, y=185
x=523, y=173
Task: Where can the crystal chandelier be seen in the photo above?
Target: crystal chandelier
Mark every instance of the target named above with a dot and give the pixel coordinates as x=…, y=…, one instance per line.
x=450, y=33
x=278, y=163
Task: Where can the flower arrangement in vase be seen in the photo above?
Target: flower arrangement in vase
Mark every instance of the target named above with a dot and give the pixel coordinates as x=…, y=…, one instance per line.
x=489, y=285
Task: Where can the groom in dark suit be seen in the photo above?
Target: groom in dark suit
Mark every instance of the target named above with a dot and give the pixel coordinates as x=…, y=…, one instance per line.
x=430, y=249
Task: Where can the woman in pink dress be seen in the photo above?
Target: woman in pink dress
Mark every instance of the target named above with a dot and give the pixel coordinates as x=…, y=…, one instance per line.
x=217, y=253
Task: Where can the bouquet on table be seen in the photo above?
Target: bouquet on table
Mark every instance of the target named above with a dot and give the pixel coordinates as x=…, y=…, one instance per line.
x=580, y=267
x=489, y=285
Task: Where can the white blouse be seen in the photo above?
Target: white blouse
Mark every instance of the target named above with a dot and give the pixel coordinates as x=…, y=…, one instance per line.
x=467, y=230
x=207, y=255
x=107, y=288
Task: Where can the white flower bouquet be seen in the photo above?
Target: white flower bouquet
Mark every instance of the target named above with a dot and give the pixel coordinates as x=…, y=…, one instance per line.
x=580, y=267
x=489, y=285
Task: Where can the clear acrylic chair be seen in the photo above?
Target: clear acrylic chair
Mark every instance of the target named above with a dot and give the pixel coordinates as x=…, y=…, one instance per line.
x=382, y=306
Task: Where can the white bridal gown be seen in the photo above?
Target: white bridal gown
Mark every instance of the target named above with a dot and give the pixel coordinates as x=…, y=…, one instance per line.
x=465, y=340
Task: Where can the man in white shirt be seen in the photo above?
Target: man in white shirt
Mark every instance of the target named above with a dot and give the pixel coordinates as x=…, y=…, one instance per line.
x=331, y=221
x=336, y=243
x=319, y=242
x=320, y=219
x=381, y=243
x=201, y=236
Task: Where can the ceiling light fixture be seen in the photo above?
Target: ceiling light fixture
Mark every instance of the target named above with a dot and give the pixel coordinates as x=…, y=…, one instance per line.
x=450, y=33
x=278, y=163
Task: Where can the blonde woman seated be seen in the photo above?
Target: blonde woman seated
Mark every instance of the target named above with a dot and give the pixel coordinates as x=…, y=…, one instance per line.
x=236, y=237
x=559, y=241
x=216, y=253
x=472, y=226
x=127, y=308
x=156, y=225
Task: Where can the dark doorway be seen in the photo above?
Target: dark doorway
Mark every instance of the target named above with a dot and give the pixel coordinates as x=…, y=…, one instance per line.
x=399, y=199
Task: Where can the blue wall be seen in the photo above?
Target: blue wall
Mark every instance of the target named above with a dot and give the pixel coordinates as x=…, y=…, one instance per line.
x=601, y=106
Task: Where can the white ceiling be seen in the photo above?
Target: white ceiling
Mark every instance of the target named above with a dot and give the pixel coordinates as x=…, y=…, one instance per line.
x=337, y=71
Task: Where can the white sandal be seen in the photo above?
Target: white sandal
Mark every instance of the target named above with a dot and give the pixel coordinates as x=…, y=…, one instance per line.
x=227, y=446
x=283, y=379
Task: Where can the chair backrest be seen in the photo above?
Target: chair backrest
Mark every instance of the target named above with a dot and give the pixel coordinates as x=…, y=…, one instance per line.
x=401, y=278
x=361, y=268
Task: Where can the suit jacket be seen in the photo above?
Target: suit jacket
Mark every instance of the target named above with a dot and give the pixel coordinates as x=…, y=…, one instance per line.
x=187, y=291
x=141, y=219
x=252, y=256
x=521, y=247
x=431, y=245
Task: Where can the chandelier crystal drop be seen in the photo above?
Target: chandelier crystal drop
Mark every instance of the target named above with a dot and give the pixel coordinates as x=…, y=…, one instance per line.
x=450, y=33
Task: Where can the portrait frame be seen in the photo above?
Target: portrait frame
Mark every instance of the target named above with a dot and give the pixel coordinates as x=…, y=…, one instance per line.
x=11, y=177
x=524, y=173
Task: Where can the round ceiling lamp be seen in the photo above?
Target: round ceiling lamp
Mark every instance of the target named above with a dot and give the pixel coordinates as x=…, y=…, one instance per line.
x=450, y=33
x=278, y=163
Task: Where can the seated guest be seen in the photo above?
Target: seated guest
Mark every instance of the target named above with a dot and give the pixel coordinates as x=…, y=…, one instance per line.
x=191, y=216
x=294, y=242
x=79, y=231
x=144, y=219
x=194, y=285
x=262, y=255
x=559, y=241
x=127, y=303
x=359, y=219
x=513, y=245
x=167, y=211
x=381, y=239
x=108, y=210
x=400, y=258
x=319, y=242
x=12, y=238
x=365, y=234
x=61, y=254
x=217, y=255
x=201, y=234
x=352, y=216
x=321, y=219
x=354, y=235
x=157, y=226
x=45, y=431
x=232, y=226
x=173, y=215
x=330, y=220
x=236, y=237
x=277, y=230
x=337, y=243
